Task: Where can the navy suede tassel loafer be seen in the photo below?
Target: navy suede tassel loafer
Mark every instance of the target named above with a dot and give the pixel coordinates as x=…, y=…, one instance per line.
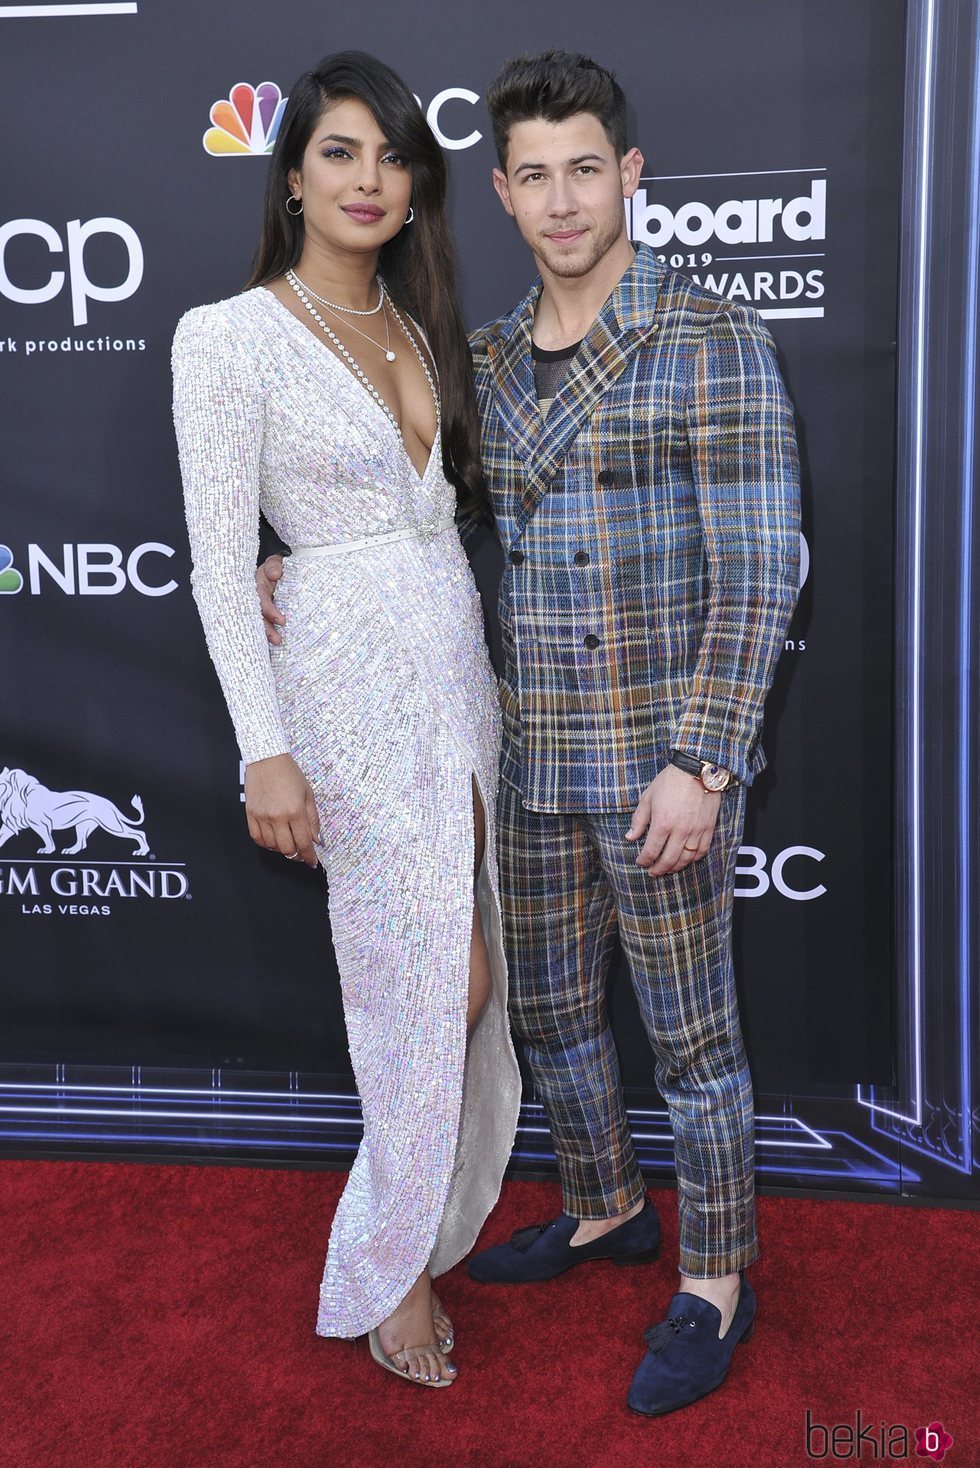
x=685, y=1359
x=545, y=1250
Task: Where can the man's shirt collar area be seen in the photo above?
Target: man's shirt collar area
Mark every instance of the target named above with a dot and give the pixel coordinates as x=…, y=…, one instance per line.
x=629, y=305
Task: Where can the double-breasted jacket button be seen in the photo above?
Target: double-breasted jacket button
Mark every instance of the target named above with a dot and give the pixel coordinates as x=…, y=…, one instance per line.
x=581, y=558
x=516, y=557
x=606, y=479
x=591, y=640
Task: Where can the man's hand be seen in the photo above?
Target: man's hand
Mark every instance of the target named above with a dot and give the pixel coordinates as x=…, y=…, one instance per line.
x=678, y=816
x=266, y=577
x=280, y=808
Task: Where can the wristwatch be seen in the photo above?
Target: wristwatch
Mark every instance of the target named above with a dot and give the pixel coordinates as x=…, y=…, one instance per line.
x=712, y=777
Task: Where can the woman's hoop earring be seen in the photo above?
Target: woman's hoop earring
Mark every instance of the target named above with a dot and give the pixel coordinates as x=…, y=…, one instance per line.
x=292, y=199
x=410, y=215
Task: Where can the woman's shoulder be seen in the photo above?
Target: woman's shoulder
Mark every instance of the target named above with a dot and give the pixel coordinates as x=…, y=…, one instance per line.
x=221, y=319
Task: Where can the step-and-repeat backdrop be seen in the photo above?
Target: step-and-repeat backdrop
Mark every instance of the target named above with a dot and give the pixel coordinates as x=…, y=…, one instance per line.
x=143, y=933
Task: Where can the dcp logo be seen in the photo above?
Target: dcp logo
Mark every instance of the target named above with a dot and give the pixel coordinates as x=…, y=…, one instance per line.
x=77, y=236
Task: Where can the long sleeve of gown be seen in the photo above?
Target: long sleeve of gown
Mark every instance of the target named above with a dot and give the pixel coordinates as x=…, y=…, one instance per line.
x=218, y=417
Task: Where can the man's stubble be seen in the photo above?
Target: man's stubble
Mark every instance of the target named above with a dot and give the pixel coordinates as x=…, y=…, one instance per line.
x=572, y=264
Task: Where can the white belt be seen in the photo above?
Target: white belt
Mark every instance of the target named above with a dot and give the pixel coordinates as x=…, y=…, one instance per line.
x=341, y=547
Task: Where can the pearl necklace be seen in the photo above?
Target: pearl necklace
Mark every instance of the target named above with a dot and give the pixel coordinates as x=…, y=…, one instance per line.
x=291, y=276
x=300, y=291
x=349, y=310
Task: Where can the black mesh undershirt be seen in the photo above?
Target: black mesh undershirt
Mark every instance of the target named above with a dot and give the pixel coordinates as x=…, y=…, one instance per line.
x=549, y=371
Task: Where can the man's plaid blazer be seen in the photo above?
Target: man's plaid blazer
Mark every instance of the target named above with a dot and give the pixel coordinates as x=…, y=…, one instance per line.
x=650, y=528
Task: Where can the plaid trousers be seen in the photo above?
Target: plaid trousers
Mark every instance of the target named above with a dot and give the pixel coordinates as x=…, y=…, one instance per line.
x=568, y=883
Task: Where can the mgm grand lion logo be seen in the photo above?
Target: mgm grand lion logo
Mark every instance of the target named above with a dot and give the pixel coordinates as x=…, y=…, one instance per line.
x=27, y=805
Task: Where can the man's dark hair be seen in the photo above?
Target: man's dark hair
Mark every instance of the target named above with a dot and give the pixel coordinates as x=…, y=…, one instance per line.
x=555, y=85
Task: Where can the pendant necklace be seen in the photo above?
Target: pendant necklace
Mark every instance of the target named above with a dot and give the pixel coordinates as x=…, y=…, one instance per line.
x=301, y=292
x=295, y=281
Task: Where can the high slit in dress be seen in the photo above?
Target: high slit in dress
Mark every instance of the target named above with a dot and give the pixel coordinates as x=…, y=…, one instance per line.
x=383, y=693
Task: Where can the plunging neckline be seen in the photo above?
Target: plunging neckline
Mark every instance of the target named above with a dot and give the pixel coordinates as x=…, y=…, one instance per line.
x=392, y=421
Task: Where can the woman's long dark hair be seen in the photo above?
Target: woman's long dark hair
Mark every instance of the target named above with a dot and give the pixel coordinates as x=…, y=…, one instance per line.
x=417, y=264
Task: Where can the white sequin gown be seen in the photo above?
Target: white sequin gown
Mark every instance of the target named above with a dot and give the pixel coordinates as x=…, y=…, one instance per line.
x=383, y=693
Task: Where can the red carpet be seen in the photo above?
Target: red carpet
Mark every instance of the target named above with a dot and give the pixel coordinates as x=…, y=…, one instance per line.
x=162, y=1317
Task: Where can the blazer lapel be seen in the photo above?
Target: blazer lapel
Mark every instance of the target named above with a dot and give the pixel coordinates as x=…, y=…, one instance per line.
x=509, y=354
x=601, y=359
x=624, y=323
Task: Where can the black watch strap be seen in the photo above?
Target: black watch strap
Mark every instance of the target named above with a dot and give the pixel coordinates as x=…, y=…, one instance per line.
x=712, y=777
x=685, y=762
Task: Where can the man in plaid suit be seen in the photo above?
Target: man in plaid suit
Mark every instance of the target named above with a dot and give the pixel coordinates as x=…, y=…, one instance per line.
x=640, y=452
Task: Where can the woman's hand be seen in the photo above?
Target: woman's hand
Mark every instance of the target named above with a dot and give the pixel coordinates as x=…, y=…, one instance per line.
x=280, y=808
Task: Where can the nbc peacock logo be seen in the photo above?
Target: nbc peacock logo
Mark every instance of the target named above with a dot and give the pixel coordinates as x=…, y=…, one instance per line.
x=11, y=580
x=247, y=124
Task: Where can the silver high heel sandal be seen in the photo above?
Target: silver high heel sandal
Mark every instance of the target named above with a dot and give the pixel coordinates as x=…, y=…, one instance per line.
x=388, y=1363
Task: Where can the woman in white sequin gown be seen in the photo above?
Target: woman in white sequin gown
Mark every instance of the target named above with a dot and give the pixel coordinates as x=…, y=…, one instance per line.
x=370, y=733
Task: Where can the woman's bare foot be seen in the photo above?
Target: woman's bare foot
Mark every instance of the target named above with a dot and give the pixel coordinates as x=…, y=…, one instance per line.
x=445, y=1334
x=408, y=1336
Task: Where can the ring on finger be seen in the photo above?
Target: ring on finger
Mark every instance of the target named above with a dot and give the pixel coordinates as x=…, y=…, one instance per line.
x=690, y=848
x=290, y=856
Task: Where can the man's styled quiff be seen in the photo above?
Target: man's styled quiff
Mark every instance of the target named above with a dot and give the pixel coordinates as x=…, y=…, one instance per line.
x=555, y=85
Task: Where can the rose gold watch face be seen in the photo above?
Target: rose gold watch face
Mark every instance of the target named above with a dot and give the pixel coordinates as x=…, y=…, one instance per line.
x=714, y=778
